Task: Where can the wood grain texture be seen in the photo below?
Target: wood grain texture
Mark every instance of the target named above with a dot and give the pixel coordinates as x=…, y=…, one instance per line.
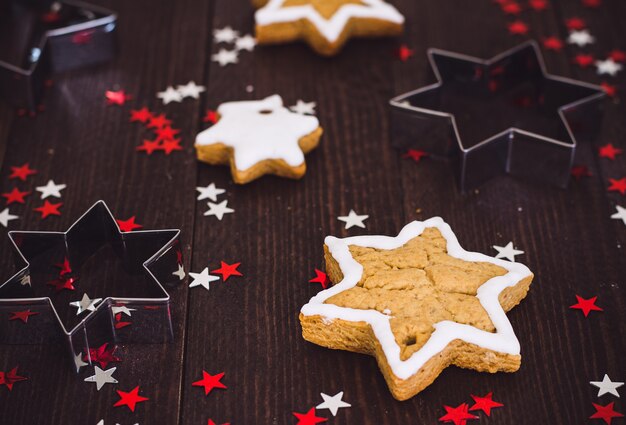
x=248, y=326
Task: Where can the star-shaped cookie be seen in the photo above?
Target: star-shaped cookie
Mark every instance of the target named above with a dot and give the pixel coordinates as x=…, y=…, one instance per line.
x=418, y=302
x=259, y=137
x=326, y=25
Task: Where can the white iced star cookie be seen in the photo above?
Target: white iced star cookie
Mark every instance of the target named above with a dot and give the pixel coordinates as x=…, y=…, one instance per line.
x=326, y=25
x=259, y=137
x=418, y=302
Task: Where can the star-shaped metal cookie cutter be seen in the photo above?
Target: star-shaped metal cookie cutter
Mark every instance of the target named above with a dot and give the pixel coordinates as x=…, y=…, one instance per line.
x=505, y=115
x=152, y=255
x=75, y=34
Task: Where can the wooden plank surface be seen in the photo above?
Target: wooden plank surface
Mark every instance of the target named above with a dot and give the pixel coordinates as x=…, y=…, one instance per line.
x=248, y=327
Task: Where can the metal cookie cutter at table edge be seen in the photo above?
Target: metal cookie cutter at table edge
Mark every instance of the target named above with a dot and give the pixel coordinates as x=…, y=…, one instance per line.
x=150, y=260
x=505, y=115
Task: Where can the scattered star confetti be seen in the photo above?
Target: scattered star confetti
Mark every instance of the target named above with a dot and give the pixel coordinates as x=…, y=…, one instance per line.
x=580, y=38
x=608, y=66
x=580, y=171
x=308, y=418
x=553, y=43
x=149, y=146
x=303, y=108
x=128, y=225
x=15, y=195
x=103, y=355
x=10, y=378
x=202, y=279
x=246, y=42
x=78, y=362
x=122, y=309
x=210, y=382
x=142, y=115
x=218, y=210
x=617, y=185
x=609, y=151
x=210, y=116
x=404, y=52
x=22, y=315
x=191, y=89
x=22, y=172
x=606, y=386
x=321, y=278
x=415, y=155
x=51, y=189
x=85, y=304
x=518, y=28
x=586, y=305
x=606, y=413
x=102, y=377
x=353, y=219
x=333, y=403
x=170, y=94
x=511, y=8
x=209, y=192
x=485, y=404
x=48, y=209
x=130, y=399
x=210, y=422
x=620, y=214
x=166, y=133
x=225, y=35
x=584, y=60
x=63, y=283
x=180, y=273
x=592, y=3
x=538, y=5
x=458, y=415
x=617, y=55
x=169, y=146
x=575, y=23
x=507, y=251
x=227, y=270
x=159, y=121
x=118, y=97
x=225, y=57
x=6, y=216
x=609, y=89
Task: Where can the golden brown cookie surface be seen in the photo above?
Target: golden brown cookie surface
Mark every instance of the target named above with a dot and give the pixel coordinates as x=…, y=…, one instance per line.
x=325, y=25
x=418, y=305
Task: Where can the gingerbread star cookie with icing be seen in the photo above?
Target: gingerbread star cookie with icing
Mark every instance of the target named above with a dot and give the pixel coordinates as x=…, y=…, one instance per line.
x=326, y=25
x=259, y=137
x=418, y=302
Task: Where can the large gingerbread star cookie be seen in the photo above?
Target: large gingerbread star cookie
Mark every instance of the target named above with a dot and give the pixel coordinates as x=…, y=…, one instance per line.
x=325, y=25
x=418, y=302
x=259, y=137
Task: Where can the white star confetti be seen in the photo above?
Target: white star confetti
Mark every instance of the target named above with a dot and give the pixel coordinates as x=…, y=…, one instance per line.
x=580, y=38
x=303, y=108
x=202, y=279
x=606, y=386
x=507, y=251
x=620, y=214
x=333, y=403
x=6, y=216
x=353, y=219
x=122, y=309
x=246, y=42
x=170, y=95
x=102, y=377
x=180, y=273
x=218, y=210
x=225, y=57
x=225, y=35
x=85, y=304
x=191, y=89
x=51, y=189
x=608, y=66
x=210, y=192
x=78, y=361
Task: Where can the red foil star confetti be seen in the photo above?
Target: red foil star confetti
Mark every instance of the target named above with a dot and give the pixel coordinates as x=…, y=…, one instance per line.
x=140, y=115
x=575, y=24
x=210, y=382
x=584, y=60
x=404, y=53
x=48, y=209
x=553, y=43
x=321, y=278
x=586, y=305
x=308, y=418
x=609, y=89
x=15, y=195
x=149, y=146
x=116, y=97
x=169, y=146
x=130, y=399
x=606, y=413
x=10, y=378
x=518, y=28
x=458, y=415
x=591, y=3
x=617, y=55
x=22, y=315
x=119, y=324
x=415, y=155
x=538, y=5
x=511, y=8
x=63, y=283
x=64, y=267
x=210, y=116
x=485, y=404
x=609, y=151
x=617, y=185
x=210, y=422
x=580, y=171
x=103, y=355
x=128, y=225
x=22, y=172
x=227, y=270
x=159, y=121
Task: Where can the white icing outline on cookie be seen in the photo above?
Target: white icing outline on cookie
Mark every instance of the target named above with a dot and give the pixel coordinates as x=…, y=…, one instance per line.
x=258, y=130
x=503, y=340
x=274, y=12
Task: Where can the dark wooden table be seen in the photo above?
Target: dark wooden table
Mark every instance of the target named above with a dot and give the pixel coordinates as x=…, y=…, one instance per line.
x=248, y=327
